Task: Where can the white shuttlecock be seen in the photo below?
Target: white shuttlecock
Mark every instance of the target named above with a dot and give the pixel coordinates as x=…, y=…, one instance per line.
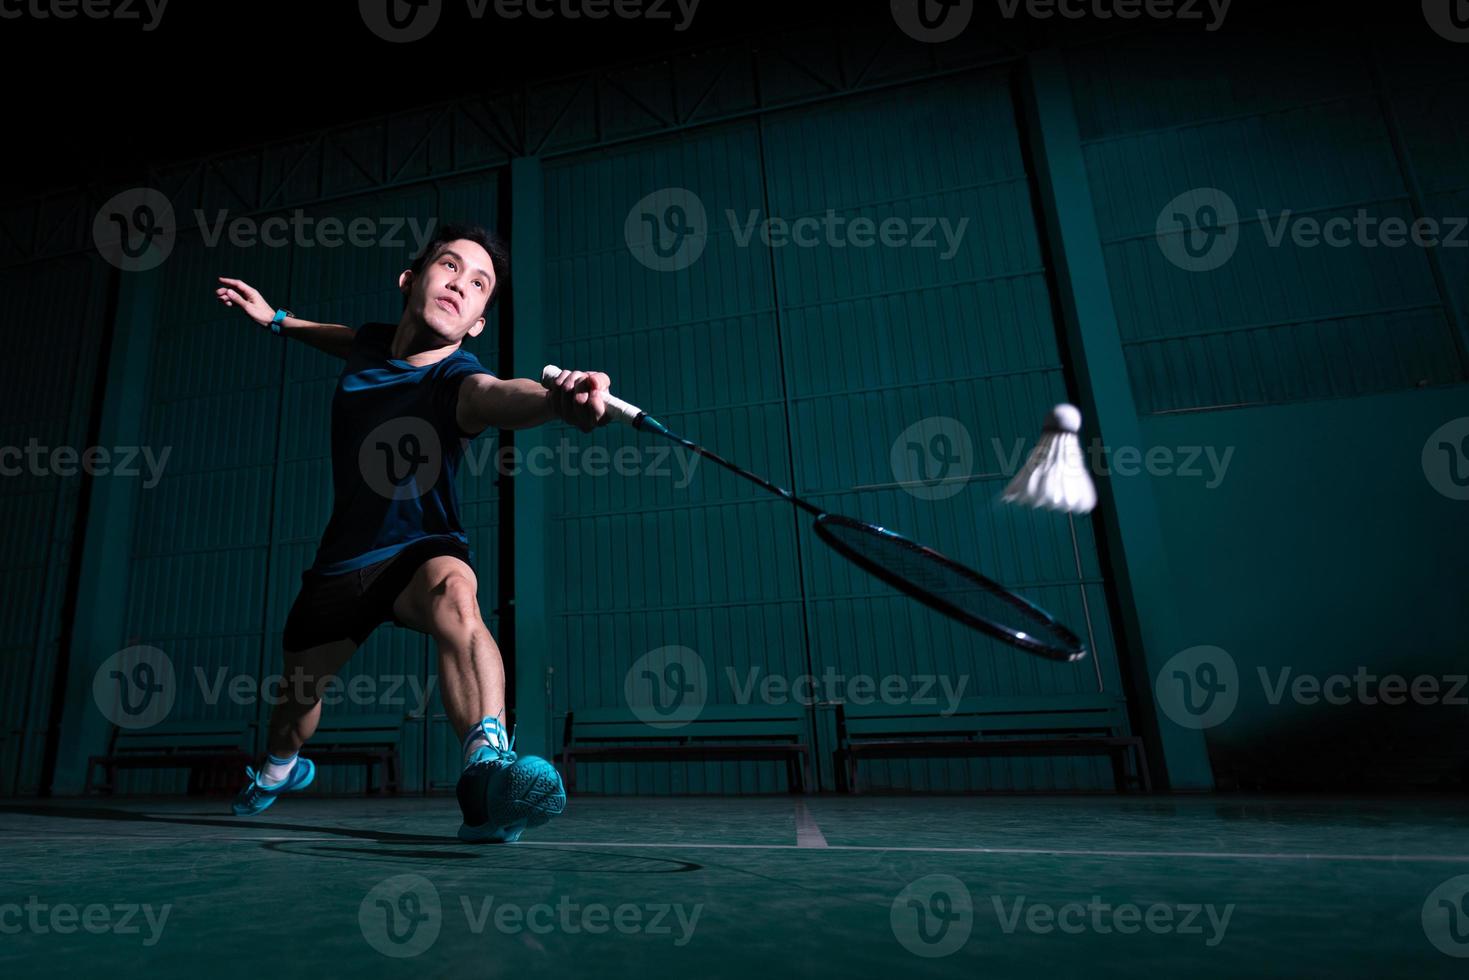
x=1055, y=476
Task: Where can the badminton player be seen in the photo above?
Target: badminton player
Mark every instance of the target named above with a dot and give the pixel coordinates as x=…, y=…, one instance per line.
x=408, y=401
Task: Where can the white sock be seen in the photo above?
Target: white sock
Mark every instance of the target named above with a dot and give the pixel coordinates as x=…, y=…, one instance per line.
x=276, y=769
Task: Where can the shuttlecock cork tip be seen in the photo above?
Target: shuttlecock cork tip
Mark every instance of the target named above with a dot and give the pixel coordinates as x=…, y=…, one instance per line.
x=1064, y=418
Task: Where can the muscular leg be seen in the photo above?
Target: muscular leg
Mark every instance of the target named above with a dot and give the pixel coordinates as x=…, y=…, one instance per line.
x=294, y=718
x=441, y=600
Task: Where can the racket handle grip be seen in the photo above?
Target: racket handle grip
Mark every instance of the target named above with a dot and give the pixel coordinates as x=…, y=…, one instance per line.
x=617, y=409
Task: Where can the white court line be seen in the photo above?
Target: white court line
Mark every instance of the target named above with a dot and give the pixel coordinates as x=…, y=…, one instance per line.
x=691, y=846
x=808, y=834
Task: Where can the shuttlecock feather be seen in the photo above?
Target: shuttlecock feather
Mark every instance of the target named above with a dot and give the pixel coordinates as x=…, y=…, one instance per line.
x=1055, y=476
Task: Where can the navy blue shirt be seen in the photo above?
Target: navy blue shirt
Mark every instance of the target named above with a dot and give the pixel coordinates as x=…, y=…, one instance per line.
x=396, y=447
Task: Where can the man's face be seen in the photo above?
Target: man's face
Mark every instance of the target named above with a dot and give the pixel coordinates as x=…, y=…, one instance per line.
x=449, y=294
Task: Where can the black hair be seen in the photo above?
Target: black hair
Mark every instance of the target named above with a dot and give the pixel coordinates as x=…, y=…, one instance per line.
x=487, y=240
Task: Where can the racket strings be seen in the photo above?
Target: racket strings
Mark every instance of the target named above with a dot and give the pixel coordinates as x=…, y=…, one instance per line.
x=945, y=584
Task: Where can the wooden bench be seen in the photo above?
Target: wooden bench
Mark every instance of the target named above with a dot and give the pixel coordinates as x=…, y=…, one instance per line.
x=1084, y=725
x=720, y=732
x=366, y=740
x=208, y=749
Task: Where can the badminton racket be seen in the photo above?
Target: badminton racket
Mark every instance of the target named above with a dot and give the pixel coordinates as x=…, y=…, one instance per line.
x=933, y=579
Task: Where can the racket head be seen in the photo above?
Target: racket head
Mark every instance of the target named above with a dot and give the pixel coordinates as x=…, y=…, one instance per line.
x=948, y=587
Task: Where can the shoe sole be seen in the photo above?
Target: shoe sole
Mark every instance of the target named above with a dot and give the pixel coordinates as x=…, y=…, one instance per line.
x=527, y=809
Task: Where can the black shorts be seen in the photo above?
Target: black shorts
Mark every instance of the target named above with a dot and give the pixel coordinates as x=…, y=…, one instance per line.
x=350, y=605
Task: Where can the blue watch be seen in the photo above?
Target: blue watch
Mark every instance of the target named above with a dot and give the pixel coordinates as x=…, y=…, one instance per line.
x=280, y=316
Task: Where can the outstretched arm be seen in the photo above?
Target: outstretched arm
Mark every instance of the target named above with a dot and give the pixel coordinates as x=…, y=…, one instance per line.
x=330, y=338
x=518, y=403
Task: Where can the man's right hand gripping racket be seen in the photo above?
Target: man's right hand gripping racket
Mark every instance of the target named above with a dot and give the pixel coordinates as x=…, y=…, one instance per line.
x=933, y=579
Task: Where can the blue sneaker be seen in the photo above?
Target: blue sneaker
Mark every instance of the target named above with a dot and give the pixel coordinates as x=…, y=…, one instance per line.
x=255, y=798
x=502, y=796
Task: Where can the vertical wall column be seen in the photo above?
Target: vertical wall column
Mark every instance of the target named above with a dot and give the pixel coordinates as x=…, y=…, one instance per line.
x=528, y=353
x=100, y=608
x=1128, y=514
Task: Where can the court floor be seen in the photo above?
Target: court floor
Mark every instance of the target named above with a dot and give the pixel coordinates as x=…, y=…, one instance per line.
x=978, y=887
